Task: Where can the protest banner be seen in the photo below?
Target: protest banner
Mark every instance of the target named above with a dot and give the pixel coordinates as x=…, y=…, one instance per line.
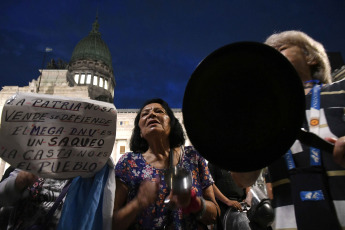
x=57, y=137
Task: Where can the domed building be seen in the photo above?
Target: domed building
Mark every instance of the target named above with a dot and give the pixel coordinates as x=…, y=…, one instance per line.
x=89, y=74
x=91, y=66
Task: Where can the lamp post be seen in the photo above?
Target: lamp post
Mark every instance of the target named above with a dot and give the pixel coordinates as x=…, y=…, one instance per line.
x=47, y=50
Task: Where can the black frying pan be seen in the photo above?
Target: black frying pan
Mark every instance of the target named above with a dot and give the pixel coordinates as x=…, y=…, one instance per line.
x=244, y=106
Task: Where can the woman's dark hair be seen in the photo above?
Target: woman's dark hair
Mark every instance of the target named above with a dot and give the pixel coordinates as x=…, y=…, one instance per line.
x=176, y=136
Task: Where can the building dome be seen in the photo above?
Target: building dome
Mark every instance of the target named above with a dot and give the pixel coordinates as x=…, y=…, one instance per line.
x=91, y=66
x=92, y=47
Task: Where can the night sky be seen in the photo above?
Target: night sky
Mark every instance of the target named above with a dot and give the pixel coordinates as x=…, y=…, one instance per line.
x=155, y=44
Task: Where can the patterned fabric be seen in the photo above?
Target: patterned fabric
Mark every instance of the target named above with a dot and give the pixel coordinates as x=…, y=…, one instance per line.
x=332, y=124
x=33, y=209
x=36, y=188
x=132, y=169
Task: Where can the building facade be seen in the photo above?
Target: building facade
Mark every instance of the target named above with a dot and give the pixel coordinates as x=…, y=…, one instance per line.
x=89, y=74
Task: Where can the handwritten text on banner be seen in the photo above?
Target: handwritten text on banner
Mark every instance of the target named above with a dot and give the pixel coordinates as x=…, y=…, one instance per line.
x=57, y=137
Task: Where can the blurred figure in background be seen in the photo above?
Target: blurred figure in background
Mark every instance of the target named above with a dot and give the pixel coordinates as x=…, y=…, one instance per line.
x=226, y=191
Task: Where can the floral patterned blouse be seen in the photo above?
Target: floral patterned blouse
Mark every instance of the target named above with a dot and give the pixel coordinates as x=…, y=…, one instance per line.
x=132, y=169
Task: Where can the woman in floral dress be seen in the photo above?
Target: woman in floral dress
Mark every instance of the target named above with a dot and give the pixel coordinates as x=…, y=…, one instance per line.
x=141, y=186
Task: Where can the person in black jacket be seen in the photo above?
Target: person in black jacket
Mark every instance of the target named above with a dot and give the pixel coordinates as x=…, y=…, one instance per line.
x=227, y=193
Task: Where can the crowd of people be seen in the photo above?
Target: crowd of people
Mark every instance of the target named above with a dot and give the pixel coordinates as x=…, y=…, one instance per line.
x=306, y=185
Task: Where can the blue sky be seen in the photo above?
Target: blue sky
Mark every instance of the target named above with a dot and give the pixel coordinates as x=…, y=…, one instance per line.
x=155, y=44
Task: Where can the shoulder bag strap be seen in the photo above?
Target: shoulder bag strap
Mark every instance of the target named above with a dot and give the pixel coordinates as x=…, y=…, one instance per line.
x=57, y=202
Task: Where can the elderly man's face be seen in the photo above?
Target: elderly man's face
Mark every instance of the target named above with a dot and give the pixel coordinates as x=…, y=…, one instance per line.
x=298, y=59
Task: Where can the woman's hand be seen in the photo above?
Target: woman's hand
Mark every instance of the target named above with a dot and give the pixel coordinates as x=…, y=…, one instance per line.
x=235, y=204
x=125, y=213
x=180, y=200
x=339, y=150
x=24, y=180
x=147, y=194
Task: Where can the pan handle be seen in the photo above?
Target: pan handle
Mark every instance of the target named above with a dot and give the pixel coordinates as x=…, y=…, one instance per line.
x=314, y=140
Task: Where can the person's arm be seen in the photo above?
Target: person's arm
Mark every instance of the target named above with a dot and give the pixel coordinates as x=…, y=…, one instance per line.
x=269, y=190
x=220, y=196
x=207, y=216
x=268, y=182
x=12, y=188
x=247, y=190
x=339, y=150
x=212, y=208
x=125, y=213
x=245, y=179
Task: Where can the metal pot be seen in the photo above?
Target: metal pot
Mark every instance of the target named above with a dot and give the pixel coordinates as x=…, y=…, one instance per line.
x=251, y=218
x=261, y=212
x=244, y=107
x=236, y=220
x=179, y=180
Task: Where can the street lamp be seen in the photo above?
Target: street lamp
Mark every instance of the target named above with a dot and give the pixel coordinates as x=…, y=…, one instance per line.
x=47, y=50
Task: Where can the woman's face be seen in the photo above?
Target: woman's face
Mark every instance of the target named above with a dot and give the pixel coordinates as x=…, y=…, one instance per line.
x=154, y=120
